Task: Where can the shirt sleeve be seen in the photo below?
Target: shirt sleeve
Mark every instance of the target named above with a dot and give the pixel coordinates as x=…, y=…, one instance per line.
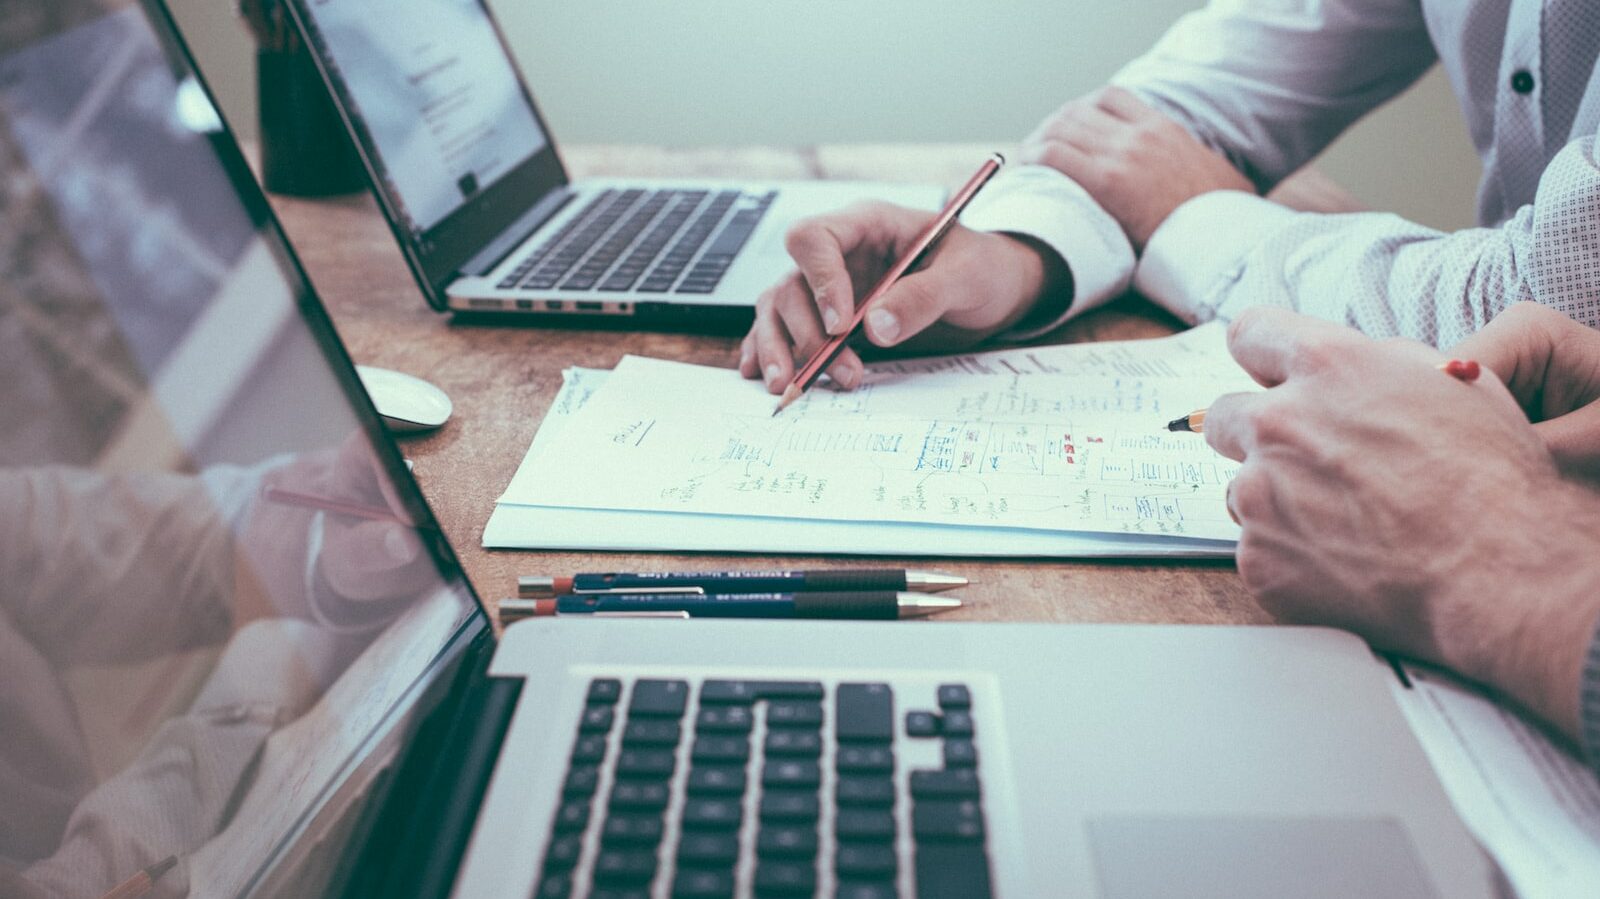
x=1270, y=84
x=1223, y=252
x=1039, y=202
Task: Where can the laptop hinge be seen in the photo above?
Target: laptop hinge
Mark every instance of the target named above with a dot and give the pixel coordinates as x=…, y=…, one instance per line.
x=432, y=804
x=517, y=232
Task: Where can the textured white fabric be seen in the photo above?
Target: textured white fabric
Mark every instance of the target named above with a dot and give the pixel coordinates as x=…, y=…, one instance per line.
x=1270, y=83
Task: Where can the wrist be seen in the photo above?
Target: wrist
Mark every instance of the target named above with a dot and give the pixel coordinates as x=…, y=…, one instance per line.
x=1043, y=288
x=1525, y=623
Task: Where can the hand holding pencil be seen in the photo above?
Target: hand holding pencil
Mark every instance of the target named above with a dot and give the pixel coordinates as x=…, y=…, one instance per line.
x=972, y=286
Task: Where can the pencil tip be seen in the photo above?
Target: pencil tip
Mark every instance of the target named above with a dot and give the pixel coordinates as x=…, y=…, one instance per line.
x=1178, y=424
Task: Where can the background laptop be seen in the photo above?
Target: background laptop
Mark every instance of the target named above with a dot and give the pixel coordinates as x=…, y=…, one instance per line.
x=469, y=177
x=209, y=683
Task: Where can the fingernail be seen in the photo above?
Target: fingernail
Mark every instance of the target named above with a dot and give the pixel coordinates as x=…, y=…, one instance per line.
x=397, y=544
x=885, y=327
x=830, y=320
x=773, y=374
x=744, y=359
x=848, y=378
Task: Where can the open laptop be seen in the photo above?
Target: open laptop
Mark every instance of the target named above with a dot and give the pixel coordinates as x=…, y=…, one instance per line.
x=468, y=175
x=216, y=682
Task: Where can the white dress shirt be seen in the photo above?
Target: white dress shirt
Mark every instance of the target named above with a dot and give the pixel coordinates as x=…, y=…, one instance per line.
x=1269, y=84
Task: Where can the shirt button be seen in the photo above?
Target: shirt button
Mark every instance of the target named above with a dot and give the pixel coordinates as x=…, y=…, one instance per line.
x=1522, y=81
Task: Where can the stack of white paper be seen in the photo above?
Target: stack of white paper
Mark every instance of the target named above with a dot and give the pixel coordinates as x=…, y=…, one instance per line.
x=1057, y=451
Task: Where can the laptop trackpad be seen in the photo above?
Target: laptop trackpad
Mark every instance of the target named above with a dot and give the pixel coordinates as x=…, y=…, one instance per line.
x=1245, y=858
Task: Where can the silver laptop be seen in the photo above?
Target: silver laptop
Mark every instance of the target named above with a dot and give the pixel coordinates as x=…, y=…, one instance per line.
x=238, y=657
x=468, y=175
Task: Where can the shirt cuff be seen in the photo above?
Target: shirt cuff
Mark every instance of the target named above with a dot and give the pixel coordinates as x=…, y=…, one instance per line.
x=1200, y=250
x=1039, y=202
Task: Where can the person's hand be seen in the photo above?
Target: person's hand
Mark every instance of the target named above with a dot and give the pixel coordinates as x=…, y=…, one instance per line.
x=1136, y=162
x=1381, y=495
x=973, y=285
x=365, y=571
x=1552, y=366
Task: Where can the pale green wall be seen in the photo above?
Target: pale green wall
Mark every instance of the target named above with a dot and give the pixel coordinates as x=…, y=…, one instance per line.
x=694, y=72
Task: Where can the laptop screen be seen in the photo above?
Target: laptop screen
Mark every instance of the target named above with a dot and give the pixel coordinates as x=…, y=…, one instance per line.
x=437, y=95
x=453, y=144
x=219, y=587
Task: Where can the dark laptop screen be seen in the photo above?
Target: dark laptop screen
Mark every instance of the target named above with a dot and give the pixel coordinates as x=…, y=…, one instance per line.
x=218, y=584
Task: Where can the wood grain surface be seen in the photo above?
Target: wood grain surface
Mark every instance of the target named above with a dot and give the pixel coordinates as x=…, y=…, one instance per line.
x=503, y=378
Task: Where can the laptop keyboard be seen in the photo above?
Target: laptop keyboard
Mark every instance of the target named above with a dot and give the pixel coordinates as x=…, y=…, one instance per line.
x=760, y=786
x=645, y=242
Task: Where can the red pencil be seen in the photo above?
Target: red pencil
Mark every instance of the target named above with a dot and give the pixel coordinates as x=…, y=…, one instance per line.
x=323, y=504
x=930, y=236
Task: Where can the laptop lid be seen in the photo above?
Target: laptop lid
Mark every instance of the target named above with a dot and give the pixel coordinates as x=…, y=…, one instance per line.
x=454, y=147
x=222, y=596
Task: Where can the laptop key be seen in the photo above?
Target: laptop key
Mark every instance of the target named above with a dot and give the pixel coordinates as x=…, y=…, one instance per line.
x=864, y=712
x=596, y=718
x=788, y=773
x=572, y=815
x=873, y=792
x=620, y=893
x=724, y=719
x=784, y=878
x=563, y=853
x=716, y=780
x=646, y=764
x=629, y=795
x=554, y=886
x=662, y=698
x=954, y=696
x=864, y=760
x=720, y=749
x=786, y=841
x=803, y=743
x=961, y=783
x=651, y=732
x=864, y=825
x=855, y=889
x=589, y=748
x=631, y=830
x=624, y=867
x=794, y=713
x=922, y=724
x=935, y=820
x=957, y=723
x=702, y=884
x=865, y=861
x=712, y=814
x=790, y=805
x=952, y=871
x=708, y=849
x=604, y=690
x=581, y=781
x=960, y=754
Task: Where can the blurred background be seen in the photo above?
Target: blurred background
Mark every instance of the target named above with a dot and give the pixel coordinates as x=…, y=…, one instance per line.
x=798, y=72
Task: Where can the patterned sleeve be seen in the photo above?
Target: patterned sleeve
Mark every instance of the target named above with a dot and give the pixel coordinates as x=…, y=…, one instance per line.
x=1223, y=252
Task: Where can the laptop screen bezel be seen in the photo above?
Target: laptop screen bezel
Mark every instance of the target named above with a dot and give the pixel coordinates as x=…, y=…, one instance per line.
x=436, y=258
x=421, y=699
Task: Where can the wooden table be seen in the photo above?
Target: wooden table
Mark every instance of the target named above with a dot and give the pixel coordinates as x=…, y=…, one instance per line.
x=502, y=379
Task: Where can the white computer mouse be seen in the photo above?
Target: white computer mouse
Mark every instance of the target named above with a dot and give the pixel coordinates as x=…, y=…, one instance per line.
x=407, y=404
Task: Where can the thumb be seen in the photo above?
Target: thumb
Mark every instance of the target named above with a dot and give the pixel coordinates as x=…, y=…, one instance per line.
x=908, y=307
